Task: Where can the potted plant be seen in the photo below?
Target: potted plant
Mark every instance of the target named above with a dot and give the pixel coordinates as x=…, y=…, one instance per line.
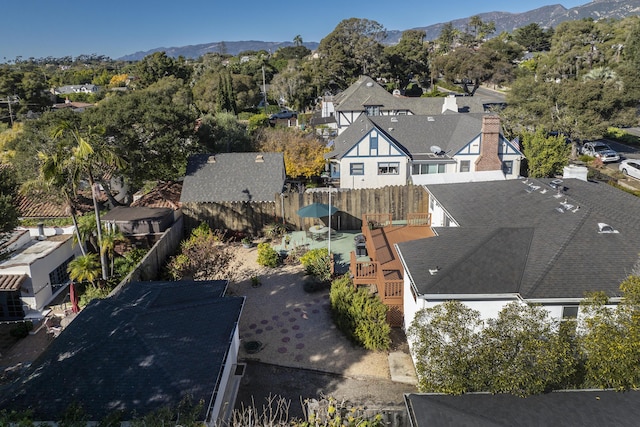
x=246, y=242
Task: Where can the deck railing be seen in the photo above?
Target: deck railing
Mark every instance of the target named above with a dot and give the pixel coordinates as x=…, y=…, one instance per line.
x=419, y=219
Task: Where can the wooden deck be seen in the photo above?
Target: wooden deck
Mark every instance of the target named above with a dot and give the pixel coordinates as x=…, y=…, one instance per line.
x=384, y=269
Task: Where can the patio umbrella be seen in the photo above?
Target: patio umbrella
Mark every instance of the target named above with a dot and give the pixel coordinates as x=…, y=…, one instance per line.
x=74, y=298
x=317, y=210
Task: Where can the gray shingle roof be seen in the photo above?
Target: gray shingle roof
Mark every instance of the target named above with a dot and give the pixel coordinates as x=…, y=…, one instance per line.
x=365, y=91
x=145, y=348
x=514, y=240
x=414, y=134
x=580, y=408
x=233, y=177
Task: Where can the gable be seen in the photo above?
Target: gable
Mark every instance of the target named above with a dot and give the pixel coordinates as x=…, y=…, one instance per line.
x=375, y=144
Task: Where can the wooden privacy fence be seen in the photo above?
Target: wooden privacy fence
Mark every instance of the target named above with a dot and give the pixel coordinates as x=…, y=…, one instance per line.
x=251, y=217
x=352, y=205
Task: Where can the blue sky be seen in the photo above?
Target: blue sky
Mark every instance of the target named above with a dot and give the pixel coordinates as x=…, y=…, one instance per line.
x=41, y=28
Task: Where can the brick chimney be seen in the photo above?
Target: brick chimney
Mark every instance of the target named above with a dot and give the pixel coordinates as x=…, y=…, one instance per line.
x=489, y=144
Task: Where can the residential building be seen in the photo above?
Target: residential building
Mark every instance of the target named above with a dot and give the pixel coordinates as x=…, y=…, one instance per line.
x=35, y=271
x=541, y=241
x=148, y=347
x=397, y=150
x=235, y=191
x=573, y=408
x=84, y=88
x=367, y=97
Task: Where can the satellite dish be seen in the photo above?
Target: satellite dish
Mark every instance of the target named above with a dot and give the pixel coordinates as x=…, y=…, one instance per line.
x=436, y=149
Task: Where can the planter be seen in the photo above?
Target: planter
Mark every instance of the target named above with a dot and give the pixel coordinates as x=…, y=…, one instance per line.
x=246, y=245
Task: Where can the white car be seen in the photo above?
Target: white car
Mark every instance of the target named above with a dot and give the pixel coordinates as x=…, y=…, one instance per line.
x=630, y=167
x=600, y=150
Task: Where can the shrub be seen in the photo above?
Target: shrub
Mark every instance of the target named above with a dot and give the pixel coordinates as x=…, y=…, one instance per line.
x=317, y=263
x=21, y=330
x=267, y=256
x=92, y=292
x=360, y=315
x=202, y=256
x=274, y=231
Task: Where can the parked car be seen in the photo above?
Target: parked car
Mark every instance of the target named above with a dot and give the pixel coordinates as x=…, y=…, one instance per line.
x=630, y=167
x=284, y=114
x=600, y=150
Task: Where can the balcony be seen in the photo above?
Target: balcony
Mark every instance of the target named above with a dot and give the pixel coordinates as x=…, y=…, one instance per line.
x=383, y=270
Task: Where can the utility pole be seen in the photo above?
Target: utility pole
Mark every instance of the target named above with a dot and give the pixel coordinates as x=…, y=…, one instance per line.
x=10, y=113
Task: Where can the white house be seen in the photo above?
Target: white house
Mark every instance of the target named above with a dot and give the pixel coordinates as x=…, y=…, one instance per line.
x=397, y=150
x=366, y=97
x=84, y=88
x=34, y=272
x=543, y=241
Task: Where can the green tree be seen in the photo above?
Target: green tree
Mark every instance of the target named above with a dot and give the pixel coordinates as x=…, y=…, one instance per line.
x=409, y=59
x=522, y=352
x=147, y=127
x=610, y=338
x=8, y=210
x=110, y=239
x=297, y=40
x=533, y=38
x=86, y=157
x=223, y=133
x=546, y=155
x=353, y=48
x=157, y=66
x=447, y=38
x=445, y=341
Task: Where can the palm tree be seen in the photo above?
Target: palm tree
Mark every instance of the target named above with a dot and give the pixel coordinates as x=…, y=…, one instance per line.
x=87, y=155
x=297, y=40
x=85, y=267
x=56, y=176
x=110, y=238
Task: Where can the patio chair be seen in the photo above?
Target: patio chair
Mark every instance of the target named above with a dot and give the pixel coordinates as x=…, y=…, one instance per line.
x=52, y=330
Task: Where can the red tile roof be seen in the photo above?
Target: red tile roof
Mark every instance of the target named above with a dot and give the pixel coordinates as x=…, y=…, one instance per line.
x=11, y=282
x=165, y=195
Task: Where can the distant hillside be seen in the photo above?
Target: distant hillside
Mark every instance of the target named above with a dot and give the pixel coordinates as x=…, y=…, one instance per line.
x=546, y=16
x=232, y=48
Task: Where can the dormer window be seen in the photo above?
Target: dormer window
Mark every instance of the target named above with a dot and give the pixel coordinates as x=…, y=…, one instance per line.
x=372, y=110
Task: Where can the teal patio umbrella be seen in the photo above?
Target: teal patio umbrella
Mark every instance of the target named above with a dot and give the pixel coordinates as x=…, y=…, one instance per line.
x=317, y=210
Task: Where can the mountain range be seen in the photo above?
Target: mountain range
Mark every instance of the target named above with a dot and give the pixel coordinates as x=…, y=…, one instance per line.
x=546, y=16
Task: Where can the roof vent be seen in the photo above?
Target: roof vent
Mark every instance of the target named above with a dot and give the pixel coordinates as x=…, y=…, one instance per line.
x=390, y=129
x=211, y=159
x=369, y=84
x=431, y=119
x=394, y=119
x=606, y=228
x=259, y=158
x=434, y=271
x=555, y=183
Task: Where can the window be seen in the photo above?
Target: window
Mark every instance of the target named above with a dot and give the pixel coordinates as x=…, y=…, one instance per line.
x=388, y=168
x=372, y=110
x=60, y=275
x=373, y=145
x=507, y=167
x=570, y=312
x=423, y=169
x=465, y=165
x=357, y=168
